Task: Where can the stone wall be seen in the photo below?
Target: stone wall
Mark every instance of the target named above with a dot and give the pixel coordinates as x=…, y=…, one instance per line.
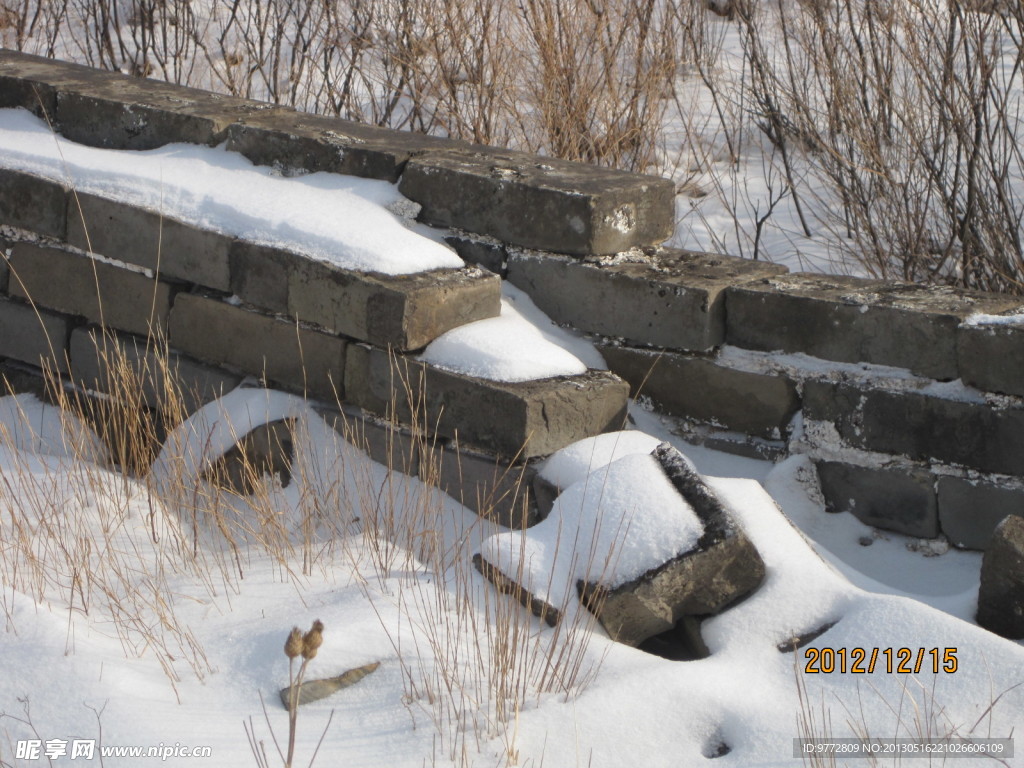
x=912, y=417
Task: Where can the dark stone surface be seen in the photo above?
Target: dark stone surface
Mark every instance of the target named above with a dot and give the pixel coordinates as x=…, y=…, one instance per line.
x=388, y=444
x=697, y=388
x=1001, y=594
x=36, y=337
x=79, y=285
x=266, y=450
x=671, y=298
x=491, y=256
x=849, y=319
x=901, y=500
x=33, y=203
x=542, y=203
x=259, y=274
x=970, y=510
x=992, y=357
x=492, y=487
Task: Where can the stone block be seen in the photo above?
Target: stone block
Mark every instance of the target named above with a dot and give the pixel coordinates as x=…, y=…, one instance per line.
x=164, y=378
x=992, y=357
x=970, y=510
x=519, y=419
x=698, y=388
x=492, y=487
x=102, y=293
x=5, y=271
x=722, y=569
x=16, y=378
x=36, y=337
x=901, y=500
x=921, y=427
x=542, y=203
x=268, y=450
x=483, y=253
x=1001, y=594
x=278, y=351
x=147, y=239
x=404, y=312
x=32, y=82
x=671, y=298
x=259, y=274
x=388, y=444
x=852, y=320
x=33, y=203
x=302, y=142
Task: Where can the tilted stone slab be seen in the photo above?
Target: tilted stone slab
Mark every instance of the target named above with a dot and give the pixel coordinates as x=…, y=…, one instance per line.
x=900, y=499
x=698, y=388
x=849, y=319
x=513, y=420
x=280, y=351
x=494, y=488
x=404, y=312
x=970, y=509
x=33, y=335
x=33, y=203
x=150, y=240
x=108, y=109
x=542, y=203
x=921, y=427
x=1001, y=594
x=670, y=298
x=102, y=293
x=723, y=568
x=992, y=357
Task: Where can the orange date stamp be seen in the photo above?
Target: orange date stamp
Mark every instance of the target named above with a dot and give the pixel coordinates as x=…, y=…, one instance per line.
x=860, y=661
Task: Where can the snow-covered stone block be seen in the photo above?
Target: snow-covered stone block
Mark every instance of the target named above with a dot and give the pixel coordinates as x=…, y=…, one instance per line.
x=280, y=351
x=900, y=499
x=698, y=388
x=35, y=337
x=669, y=298
x=992, y=354
x=33, y=203
x=851, y=319
x=543, y=203
x=1001, y=594
x=100, y=292
x=971, y=508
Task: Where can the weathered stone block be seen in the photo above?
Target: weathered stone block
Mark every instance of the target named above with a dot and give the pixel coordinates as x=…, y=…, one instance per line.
x=849, y=319
x=16, y=378
x=390, y=445
x=520, y=419
x=492, y=487
x=404, y=312
x=484, y=253
x=164, y=378
x=32, y=82
x=1001, y=594
x=278, y=351
x=5, y=271
x=970, y=510
x=79, y=285
x=149, y=240
x=920, y=426
x=268, y=450
x=900, y=500
x=259, y=274
x=548, y=204
x=33, y=203
x=992, y=357
x=673, y=299
x=698, y=388
x=33, y=336
x=722, y=569
x=298, y=141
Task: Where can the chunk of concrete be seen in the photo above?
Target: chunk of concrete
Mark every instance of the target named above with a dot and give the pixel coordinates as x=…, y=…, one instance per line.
x=670, y=298
x=494, y=488
x=268, y=450
x=852, y=320
x=971, y=509
x=33, y=203
x=33, y=336
x=542, y=203
x=992, y=357
x=1001, y=594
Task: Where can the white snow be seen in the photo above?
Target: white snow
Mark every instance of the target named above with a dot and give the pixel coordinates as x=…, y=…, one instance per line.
x=341, y=220
x=979, y=319
x=574, y=462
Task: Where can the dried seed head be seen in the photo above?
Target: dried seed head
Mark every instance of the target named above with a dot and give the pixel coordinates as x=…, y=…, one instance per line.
x=293, y=645
x=313, y=639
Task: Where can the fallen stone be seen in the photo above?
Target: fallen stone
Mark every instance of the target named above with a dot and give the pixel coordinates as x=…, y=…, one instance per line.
x=494, y=488
x=266, y=451
x=1001, y=594
x=971, y=509
x=314, y=690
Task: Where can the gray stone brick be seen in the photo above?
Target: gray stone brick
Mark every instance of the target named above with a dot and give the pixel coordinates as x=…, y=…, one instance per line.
x=405, y=312
x=492, y=487
x=35, y=337
x=5, y=271
x=278, y=351
x=521, y=419
x=970, y=510
x=388, y=444
x=901, y=500
x=483, y=253
x=32, y=82
x=921, y=427
x=147, y=239
x=33, y=203
x=259, y=274
x=94, y=354
x=298, y=141
x=547, y=204
x=697, y=388
x=671, y=298
x=852, y=320
x=992, y=357
x=1001, y=593
x=16, y=378
x=79, y=285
